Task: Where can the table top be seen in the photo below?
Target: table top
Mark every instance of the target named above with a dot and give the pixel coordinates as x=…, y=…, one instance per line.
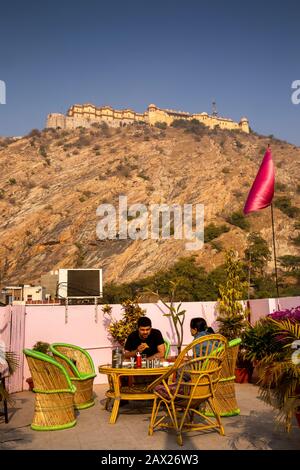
x=128, y=370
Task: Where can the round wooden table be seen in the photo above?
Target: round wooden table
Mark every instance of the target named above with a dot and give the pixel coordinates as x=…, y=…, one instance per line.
x=132, y=392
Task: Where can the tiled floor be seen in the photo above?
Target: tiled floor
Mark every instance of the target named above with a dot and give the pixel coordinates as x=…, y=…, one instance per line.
x=253, y=429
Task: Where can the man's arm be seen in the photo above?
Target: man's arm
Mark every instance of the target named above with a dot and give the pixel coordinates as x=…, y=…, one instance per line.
x=160, y=354
x=132, y=353
x=128, y=354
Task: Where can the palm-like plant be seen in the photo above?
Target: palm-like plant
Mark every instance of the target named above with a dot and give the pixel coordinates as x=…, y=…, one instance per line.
x=280, y=374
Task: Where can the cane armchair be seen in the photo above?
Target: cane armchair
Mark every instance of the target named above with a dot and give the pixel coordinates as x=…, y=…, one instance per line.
x=167, y=347
x=54, y=393
x=225, y=398
x=184, y=390
x=80, y=368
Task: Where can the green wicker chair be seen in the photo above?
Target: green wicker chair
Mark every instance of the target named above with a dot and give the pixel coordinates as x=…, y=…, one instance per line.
x=54, y=393
x=80, y=367
x=225, y=398
x=167, y=347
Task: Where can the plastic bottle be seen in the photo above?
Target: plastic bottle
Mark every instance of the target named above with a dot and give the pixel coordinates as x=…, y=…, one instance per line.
x=117, y=357
x=138, y=363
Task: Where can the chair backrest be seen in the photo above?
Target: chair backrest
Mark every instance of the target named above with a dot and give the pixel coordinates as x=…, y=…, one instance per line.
x=228, y=369
x=203, y=347
x=47, y=373
x=207, y=363
x=76, y=360
x=167, y=347
x=203, y=374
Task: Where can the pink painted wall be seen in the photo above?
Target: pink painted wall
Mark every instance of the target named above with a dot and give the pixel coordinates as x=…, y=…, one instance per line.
x=262, y=307
x=81, y=325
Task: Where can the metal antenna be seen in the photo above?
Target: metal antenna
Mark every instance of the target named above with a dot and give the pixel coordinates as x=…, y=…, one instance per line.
x=214, y=109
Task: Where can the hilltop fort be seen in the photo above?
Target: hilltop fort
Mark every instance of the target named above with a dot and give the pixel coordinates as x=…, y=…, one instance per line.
x=86, y=114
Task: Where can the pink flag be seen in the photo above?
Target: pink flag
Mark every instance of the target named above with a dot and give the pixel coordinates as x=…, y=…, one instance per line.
x=262, y=191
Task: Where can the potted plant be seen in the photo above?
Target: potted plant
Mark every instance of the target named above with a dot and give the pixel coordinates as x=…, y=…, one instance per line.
x=258, y=342
x=176, y=315
x=119, y=330
x=279, y=371
x=232, y=316
x=43, y=347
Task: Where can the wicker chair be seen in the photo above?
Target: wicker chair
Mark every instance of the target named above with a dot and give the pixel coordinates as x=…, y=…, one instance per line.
x=167, y=347
x=81, y=370
x=54, y=393
x=195, y=385
x=225, y=398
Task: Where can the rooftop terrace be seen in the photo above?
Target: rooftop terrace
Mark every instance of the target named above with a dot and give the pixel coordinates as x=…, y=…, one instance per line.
x=254, y=429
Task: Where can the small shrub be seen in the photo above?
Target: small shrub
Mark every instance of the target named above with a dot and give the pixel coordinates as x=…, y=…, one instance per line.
x=237, y=193
x=296, y=240
x=213, y=231
x=43, y=151
x=161, y=125
x=145, y=177
x=216, y=245
x=87, y=193
x=239, y=220
x=283, y=203
x=34, y=133
x=239, y=144
x=280, y=186
x=42, y=347
x=12, y=181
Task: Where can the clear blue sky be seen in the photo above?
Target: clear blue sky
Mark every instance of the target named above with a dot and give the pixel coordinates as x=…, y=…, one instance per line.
x=127, y=53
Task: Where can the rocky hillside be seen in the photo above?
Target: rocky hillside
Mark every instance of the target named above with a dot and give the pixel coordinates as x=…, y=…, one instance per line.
x=51, y=183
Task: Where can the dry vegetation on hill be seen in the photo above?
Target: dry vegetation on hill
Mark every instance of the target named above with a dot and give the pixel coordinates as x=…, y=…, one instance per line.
x=51, y=183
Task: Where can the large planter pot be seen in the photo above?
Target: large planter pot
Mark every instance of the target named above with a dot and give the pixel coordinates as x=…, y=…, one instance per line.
x=254, y=376
x=241, y=375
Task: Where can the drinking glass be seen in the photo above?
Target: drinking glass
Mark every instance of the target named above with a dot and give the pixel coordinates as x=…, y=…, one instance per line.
x=144, y=360
x=132, y=359
x=156, y=362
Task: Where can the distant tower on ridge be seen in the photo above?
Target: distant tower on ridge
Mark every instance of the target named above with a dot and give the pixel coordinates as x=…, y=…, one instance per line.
x=214, y=109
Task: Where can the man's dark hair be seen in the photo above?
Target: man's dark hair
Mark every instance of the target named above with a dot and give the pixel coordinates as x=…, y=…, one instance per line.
x=144, y=321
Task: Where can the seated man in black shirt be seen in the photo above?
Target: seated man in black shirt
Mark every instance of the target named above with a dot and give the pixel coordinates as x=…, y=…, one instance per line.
x=146, y=340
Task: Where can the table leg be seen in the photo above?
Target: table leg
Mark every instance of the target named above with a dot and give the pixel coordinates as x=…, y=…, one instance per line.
x=117, y=398
x=114, y=411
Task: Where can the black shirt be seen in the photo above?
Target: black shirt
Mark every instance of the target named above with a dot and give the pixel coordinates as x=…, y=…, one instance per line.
x=153, y=340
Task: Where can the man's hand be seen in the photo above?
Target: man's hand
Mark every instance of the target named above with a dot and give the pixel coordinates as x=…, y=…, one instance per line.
x=142, y=347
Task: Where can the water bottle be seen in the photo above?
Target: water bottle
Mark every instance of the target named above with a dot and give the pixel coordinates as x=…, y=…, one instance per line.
x=138, y=360
x=117, y=357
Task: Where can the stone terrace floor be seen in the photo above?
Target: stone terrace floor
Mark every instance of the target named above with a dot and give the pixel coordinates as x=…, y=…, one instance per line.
x=254, y=429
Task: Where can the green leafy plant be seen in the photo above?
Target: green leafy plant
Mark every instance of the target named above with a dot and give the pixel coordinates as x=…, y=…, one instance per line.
x=41, y=346
x=232, y=314
x=239, y=220
x=176, y=315
x=120, y=329
x=259, y=340
x=279, y=375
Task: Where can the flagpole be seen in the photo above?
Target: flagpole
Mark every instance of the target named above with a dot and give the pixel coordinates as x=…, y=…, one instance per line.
x=274, y=249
